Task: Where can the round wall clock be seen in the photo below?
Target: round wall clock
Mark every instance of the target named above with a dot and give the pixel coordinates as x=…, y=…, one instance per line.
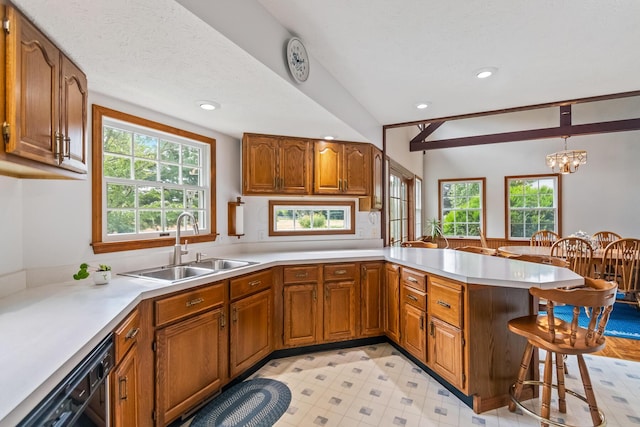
x=298, y=60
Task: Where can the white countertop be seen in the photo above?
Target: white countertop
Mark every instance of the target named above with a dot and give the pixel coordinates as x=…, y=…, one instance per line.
x=46, y=331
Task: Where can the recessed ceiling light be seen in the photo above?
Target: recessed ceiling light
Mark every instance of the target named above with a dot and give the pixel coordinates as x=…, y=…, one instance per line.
x=329, y=137
x=486, y=72
x=209, y=105
x=422, y=105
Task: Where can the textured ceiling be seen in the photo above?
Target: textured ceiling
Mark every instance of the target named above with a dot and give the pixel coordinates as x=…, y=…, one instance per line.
x=372, y=60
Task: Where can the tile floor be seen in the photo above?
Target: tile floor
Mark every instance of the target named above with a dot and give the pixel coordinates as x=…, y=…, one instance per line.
x=377, y=386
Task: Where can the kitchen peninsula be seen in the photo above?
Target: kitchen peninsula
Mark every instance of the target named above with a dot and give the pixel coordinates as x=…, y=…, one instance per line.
x=47, y=330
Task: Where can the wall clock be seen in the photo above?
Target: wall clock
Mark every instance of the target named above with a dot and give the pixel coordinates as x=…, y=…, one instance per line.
x=298, y=60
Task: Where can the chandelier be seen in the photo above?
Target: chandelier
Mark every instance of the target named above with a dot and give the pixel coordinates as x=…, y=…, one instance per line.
x=566, y=161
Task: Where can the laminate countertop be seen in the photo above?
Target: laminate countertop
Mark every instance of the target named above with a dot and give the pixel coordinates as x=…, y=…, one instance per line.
x=46, y=331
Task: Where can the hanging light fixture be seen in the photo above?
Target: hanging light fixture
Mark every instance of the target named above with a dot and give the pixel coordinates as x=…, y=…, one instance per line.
x=566, y=161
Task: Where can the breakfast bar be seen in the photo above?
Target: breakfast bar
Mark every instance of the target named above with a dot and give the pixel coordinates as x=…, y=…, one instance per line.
x=469, y=298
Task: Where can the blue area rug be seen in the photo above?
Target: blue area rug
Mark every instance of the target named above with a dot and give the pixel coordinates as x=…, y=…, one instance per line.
x=624, y=321
x=254, y=403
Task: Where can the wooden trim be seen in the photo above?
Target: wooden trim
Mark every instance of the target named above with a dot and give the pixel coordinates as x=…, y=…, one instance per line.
x=351, y=204
x=99, y=246
x=484, y=201
x=424, y=133
x=506, y=201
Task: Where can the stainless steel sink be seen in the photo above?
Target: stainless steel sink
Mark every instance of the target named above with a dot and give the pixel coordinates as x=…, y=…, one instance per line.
x=172, y=273
x=221, y=263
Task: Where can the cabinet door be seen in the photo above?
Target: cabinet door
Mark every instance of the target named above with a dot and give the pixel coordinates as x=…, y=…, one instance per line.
x=327, y=168
x=32, y=81
x=124, y=383
x=392, y=305
x=294, y=168
x=371, y=319
x=356, y=169
x=250, y=331
x=300, y=314
x=190, y=363
x=376, y=178
x=259, y=164
x=445, y=351
x=73, y=117
x=414, y=336
x=339, y=310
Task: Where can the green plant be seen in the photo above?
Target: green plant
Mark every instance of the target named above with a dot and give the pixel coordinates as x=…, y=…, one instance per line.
x=435, y=229
x=83, y=272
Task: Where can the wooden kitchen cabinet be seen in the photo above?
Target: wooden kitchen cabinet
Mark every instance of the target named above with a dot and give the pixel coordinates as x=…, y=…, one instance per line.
x=414, y=319
x=371, y=299
x=191, y=351
x=373, y=201
x=392, y=302
x=276, y=165
x=341, y=168
x=124, y=387
x=339, y=305
x=44, y=130
x=302, y=323
x=251, y=311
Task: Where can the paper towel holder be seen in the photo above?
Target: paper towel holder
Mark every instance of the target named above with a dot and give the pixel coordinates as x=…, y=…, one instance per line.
x=236, y=218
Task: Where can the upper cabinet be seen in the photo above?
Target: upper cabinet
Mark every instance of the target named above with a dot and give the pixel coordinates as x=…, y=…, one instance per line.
x=373, y=201
x=276, y=165
x=45, y=121
x=341, y=168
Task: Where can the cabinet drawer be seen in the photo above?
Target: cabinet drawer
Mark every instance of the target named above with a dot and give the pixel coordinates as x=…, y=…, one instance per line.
x=340, y=272
x=252, y=283
x=414, y=297
x=445, y=301
x=187, y=303
x=300, y=274
x=126, y=334
x=415, y=279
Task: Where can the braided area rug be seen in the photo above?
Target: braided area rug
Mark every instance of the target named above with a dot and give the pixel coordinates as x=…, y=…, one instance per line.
x=254, y=403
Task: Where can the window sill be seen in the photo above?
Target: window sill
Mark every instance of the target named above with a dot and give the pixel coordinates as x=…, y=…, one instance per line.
x=129, y=245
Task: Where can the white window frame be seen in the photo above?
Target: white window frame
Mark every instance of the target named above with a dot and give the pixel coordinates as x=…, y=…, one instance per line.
x=445, y=209
x=556, y=208
x=347, y=207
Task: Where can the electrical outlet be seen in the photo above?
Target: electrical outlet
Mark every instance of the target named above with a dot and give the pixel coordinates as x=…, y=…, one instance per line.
x=261, y=235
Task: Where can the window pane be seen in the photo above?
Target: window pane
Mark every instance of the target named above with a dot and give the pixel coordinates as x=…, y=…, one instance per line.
x=194, y=199
x=150, y=221
x=173, y=198
x=169, y=151
x=145, y=146
x=170, y=174
x=149, y=197
x=284, y=219
x=121, y=196
x=191, y=176
x=119, y=222
x=116, y=141
x=190, y=155
x=145, y=170
x=461, y=204
x=116, y=167
x=536, y=203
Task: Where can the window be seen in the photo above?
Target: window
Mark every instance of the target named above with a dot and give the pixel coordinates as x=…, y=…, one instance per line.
x=533, y=203
x=299, y=218
x=418, y=204
x=462, y=206
x=401, y=204
x=144, y=175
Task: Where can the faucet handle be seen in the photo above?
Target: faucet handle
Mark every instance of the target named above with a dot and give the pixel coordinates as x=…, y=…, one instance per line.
x=199, y=256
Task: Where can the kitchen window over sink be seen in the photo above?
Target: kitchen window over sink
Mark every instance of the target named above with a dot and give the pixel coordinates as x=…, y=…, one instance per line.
x=144, y=175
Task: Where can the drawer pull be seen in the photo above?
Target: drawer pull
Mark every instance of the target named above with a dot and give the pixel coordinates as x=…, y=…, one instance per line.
x=412, y=279
x=302, y=275
x=432, y=329
x=340, y=272
x=132, y=333
x=195, y=301
x=444, y=304
x=412, y=297
x=255, y=283
x=122, y=385
x=422, y=323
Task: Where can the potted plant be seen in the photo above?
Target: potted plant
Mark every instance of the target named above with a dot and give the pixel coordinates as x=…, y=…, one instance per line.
x=101, y=273
x=435, y=230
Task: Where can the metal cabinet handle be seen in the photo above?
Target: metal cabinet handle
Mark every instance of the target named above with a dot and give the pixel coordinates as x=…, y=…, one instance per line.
x=223, y=322
x=443, y=304
x=195, y=301
x=422, y=323
x=122, y=388
x=132, y=333
x=315, y=294
x=255, y=283
x=67, y=141
x=340, y=272
x=412, y=279
x=432, y=329
x=302, y=275
x=346, y=187
x=339, y=185
x=412, y=297
x=235, y=315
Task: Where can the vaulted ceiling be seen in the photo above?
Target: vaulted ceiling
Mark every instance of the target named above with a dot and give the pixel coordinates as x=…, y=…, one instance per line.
x=372, y=61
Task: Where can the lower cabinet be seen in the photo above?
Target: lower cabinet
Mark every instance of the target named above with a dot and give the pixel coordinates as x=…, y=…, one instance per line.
x=250, y=330
x=391, y=294
x=125, y=391
x=414, y=334
x=302, y=322
x=445, y=351
x=371, y=299
x=339, y=307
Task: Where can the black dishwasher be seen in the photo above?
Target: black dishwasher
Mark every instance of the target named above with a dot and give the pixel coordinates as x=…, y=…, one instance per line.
x=82, y=398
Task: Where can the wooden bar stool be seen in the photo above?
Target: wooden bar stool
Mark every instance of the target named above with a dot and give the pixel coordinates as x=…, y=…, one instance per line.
x=561, y=338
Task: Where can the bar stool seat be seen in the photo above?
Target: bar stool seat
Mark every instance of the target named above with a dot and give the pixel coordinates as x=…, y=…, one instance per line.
x=560, y=338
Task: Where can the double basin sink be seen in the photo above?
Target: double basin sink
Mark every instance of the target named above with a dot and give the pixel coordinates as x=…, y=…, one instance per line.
x=176, y=273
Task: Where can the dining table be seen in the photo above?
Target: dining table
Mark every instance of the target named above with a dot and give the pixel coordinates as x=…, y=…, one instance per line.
x=544, y=251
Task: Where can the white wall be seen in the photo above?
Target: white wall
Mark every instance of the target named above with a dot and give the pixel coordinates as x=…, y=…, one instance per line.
x=602, y=195
x=46, y=224
x=397, y=145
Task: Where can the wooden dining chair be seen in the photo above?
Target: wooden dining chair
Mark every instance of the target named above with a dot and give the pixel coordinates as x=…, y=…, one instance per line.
x=544, y=238
x=418, y=244
x=577, y=252
x=560, y=338
x=603, y=238
x=477, y=250
x=483, y=239
x=621, y=264
x=541, y=259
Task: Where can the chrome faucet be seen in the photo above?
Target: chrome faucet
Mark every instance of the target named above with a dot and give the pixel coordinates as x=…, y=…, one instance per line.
x=177, y=248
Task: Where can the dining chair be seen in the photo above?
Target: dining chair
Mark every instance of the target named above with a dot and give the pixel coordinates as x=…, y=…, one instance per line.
x=418, y=244
x=621, y=264
x=544, y=238
x=483, y=239
x=477, y=250
x=603, y=238
x=560, y=338
x=577, y=252
x=541, y=259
